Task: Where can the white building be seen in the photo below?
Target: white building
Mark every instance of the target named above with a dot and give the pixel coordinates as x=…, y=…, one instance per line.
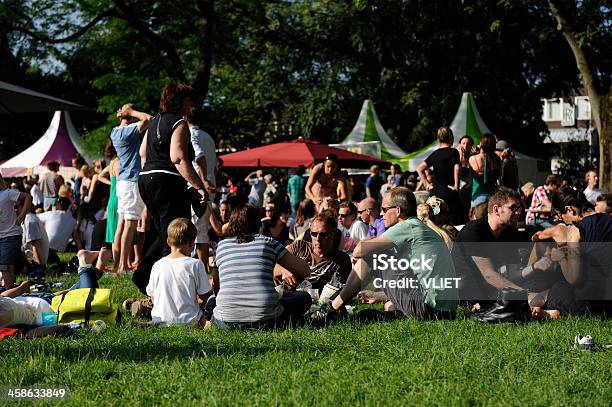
x=568, y=119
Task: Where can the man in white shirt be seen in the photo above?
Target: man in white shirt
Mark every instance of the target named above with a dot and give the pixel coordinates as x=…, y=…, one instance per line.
x=35, y=238
x=591, y=192
x=353, y=229
x=59, y=224
x=205, y=164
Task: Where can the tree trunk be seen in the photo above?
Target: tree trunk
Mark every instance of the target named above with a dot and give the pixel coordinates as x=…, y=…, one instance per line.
x=605, y=143
x=202, y=79
x=601, y=105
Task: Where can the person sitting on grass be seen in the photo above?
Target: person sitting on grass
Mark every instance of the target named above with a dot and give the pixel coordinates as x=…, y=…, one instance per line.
x=247, y=297
x=406, y=238
x=177, y=281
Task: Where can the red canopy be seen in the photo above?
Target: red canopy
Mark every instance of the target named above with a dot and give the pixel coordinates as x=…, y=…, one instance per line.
x=291, y=154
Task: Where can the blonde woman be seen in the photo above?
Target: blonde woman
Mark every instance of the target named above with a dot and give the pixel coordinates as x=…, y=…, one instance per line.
x=425, y=213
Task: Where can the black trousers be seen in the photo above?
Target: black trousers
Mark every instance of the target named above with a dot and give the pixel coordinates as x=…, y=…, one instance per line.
x=166, y=198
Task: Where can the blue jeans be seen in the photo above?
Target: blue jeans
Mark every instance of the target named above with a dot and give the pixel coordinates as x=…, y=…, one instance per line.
x=88, y=277
x=295, y=305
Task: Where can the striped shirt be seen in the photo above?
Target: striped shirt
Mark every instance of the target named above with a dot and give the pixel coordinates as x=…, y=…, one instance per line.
x=537, y=202
x=246, y=287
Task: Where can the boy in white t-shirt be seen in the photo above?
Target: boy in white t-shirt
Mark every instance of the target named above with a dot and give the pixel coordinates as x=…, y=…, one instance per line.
x=177, y=280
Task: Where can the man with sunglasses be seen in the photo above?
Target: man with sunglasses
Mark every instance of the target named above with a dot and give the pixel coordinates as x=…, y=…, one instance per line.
x=322, y=255
x=353, y=229
x=369, y=214
x=408, y=240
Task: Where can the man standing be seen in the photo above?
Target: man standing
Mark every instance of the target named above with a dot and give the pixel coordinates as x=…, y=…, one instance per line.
x=126, y=140
x=374, y=183
x=409, y=239
x=324, y=259
x=256, y=181
x=295, y=189
x=538, y=213
x=591, y=191
x=206, y=164
x=353, y=229
x=369, y=214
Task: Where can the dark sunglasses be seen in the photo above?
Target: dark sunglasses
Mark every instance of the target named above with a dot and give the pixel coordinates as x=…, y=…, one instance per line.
x=320, y=235
x=386, y=208
x=363, y=210
x=343, y=215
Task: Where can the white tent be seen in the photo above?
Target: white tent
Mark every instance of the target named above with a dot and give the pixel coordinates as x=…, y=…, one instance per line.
x=57, y=144
x=467, y=120
x=369, y=137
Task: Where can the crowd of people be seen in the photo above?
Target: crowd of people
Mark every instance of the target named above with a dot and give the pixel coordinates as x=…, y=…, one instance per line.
x=259, y=253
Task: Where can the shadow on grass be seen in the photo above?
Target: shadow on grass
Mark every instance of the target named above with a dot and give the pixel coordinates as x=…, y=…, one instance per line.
x=157, y=345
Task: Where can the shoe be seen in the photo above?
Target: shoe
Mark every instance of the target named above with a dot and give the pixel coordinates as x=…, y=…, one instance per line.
x=127, y=304
x=511, y=306
x=583, y=343
x=142, y=308
x=327, y=313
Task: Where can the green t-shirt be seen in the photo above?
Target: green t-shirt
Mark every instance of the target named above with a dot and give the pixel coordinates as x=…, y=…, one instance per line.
x=434, y=267
x=296, y=188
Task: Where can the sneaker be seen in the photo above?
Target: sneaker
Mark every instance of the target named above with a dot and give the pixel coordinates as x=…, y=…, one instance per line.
x=142, y=308
x=127, y=304
x=583, y=343
x=327, y=313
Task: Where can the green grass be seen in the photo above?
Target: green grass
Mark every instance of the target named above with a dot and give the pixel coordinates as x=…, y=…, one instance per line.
x=405, y=362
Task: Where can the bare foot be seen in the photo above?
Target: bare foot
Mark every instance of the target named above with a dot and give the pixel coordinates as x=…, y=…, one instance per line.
x=103, y=258
x=87, y=257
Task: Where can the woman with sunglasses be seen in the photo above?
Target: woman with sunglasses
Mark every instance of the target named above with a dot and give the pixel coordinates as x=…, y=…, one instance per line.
x=326, y=180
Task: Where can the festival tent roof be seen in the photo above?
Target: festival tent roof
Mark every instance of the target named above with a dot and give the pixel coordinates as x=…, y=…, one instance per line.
x=15, y=99
x=467, y=121
x=57, y=144
x=290, y=154
x=369, y=130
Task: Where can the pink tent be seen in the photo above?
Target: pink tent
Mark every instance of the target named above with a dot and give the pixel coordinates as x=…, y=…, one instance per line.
x=57, y=144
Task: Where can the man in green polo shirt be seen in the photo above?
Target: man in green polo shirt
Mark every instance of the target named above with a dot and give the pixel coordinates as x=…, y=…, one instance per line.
x=409, y=262
x=296, y=187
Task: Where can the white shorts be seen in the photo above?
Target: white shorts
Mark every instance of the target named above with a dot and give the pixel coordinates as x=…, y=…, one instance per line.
x=202, y=224
x=130, y=204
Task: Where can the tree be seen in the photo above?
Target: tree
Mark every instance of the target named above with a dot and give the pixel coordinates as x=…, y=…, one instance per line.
x=309, y=64
x=597, y=86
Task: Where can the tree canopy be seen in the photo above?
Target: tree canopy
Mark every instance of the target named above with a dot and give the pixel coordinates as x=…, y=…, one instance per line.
x=307, y=65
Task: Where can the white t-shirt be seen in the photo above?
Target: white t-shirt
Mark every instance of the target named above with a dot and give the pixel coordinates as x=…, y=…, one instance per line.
x=173, y=285
x=8, y=199
x=33, y=229
x=591, y=194
x=59, y=226
x=39, y=306
x=204, y=145
x=13, y=312
x=37, y=195
x=352, y=236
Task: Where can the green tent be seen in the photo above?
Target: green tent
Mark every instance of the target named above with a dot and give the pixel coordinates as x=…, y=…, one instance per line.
x=369, y=137
x=467, y=121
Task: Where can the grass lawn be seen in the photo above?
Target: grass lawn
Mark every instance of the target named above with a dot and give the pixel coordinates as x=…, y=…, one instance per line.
x=399, y=363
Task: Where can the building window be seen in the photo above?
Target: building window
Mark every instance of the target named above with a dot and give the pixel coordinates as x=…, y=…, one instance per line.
x=583, y=108
x=552, y=110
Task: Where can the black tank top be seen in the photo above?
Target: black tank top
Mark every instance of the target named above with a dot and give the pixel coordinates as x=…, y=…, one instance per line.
x=158, y=143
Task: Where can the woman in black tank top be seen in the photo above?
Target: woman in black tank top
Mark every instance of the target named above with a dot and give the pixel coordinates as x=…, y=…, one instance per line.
x=167, y=154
